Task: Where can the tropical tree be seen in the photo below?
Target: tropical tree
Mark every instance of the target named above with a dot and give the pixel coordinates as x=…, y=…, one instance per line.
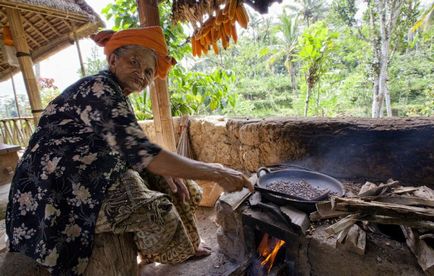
x=310, y=10
x=286, y=48
x=315, y=46
x=426, y=20
x=383, y=15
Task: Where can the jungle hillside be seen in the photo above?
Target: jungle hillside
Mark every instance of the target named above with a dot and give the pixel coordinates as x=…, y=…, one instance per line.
x=311, y=58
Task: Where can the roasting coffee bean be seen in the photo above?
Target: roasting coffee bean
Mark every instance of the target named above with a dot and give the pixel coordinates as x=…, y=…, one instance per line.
x=298, y=188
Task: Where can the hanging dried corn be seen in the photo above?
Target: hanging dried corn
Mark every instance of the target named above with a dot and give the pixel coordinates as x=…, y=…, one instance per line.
x=219, y=27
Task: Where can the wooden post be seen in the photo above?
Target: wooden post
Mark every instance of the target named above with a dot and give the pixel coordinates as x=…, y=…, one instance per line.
x=25, y=60
x=149, y=16
x=80, y=58
x=16, y=97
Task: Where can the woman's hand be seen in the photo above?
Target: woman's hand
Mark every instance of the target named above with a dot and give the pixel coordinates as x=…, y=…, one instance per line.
x=230, y=180
x=178, y=186
x=170, y=164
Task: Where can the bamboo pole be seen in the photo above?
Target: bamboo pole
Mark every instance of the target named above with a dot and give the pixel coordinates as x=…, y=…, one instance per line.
x=80, y=58
x=149, y=16
x=16, y=97
x=25, y=60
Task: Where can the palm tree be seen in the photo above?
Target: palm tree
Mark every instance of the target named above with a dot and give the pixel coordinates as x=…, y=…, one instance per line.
x=288, y=26
x=310, y=10
x=286, y=48
x=426, y=20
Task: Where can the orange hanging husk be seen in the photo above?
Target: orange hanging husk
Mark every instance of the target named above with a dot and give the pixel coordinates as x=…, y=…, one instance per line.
x=225, y=41
x=205, y=49
x=232, y=8
x=198, y=47
x=219, y=17
x=202, y=40
x=215, y=47
x=227, y=27
x=193, y=46
x=242, y=16
x=226, y=8
x=234, y=33
x=208, y=38
x=216, y=34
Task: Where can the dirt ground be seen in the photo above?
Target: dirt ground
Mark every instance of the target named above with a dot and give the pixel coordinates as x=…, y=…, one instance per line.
x=213, y=265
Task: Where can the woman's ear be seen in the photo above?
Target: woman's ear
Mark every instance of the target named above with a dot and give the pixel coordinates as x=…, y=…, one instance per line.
x=112, y=60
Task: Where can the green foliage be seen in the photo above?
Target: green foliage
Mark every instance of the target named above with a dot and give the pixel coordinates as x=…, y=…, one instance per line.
x=190, y=92
x=401, y=36
x=141, y=103
x=94, y=63
x=126, y=16
x=254, y=73
x=315, y=46
x=200, y=93
x=345, y=11
x=411, y=84
x=124, y=13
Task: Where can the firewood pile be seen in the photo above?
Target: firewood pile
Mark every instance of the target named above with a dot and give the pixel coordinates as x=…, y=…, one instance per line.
x=412, y=208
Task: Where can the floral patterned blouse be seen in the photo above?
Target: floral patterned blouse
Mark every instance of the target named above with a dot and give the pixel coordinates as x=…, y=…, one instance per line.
x=86, y=138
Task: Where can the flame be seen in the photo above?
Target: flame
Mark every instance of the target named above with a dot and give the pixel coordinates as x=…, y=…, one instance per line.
x=268, y=249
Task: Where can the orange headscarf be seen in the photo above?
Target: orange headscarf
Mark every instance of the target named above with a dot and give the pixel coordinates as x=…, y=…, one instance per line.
x=148, y=37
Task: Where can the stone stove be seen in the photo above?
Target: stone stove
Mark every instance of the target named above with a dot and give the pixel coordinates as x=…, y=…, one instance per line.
x=311, y=252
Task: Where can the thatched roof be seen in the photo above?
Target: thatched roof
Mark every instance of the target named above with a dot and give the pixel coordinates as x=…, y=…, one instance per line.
x=49, y=26
x=196, y=10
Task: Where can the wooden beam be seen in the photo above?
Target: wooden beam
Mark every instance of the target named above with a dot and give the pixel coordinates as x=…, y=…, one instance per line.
x=25, y=60
x=26, y=21
x=46, y=22
x=71, y=28
x=149, y=16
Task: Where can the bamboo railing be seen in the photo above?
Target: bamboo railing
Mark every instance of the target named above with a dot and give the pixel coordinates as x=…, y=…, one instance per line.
x=16, y=131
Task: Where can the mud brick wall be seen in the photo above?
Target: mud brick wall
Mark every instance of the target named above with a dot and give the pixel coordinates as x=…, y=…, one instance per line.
x=351, y=148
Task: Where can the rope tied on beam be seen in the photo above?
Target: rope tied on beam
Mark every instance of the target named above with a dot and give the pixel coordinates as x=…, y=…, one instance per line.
x=22, y=54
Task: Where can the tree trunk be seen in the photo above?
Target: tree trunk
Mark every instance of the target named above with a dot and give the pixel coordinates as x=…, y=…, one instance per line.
x=306, y=104
x=384, y=57
x=375, y=65
x=293, y=74
x=375, y=97
x=388, y=12
x=387, y=102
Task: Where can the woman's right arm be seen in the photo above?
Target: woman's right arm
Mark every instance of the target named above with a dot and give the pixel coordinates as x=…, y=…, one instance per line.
x=169, y=164
x=105, y=110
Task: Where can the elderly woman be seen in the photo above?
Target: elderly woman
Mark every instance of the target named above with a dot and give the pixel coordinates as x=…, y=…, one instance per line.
x=79, y=173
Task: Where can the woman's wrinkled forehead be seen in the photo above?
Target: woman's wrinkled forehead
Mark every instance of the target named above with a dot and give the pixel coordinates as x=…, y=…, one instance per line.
x=146, y=55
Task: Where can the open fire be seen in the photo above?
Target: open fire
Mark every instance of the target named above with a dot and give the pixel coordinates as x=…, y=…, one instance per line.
x=268, y=251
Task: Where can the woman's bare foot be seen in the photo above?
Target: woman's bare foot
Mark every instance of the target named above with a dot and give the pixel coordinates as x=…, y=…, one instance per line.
x=203, y=250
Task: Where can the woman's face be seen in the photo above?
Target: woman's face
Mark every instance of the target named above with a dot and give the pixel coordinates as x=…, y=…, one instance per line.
x=134, y=68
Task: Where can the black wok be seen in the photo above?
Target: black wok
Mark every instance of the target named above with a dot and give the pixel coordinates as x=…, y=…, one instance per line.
x=316, y=179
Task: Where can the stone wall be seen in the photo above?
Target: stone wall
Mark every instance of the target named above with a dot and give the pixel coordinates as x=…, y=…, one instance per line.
x=367, y=149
